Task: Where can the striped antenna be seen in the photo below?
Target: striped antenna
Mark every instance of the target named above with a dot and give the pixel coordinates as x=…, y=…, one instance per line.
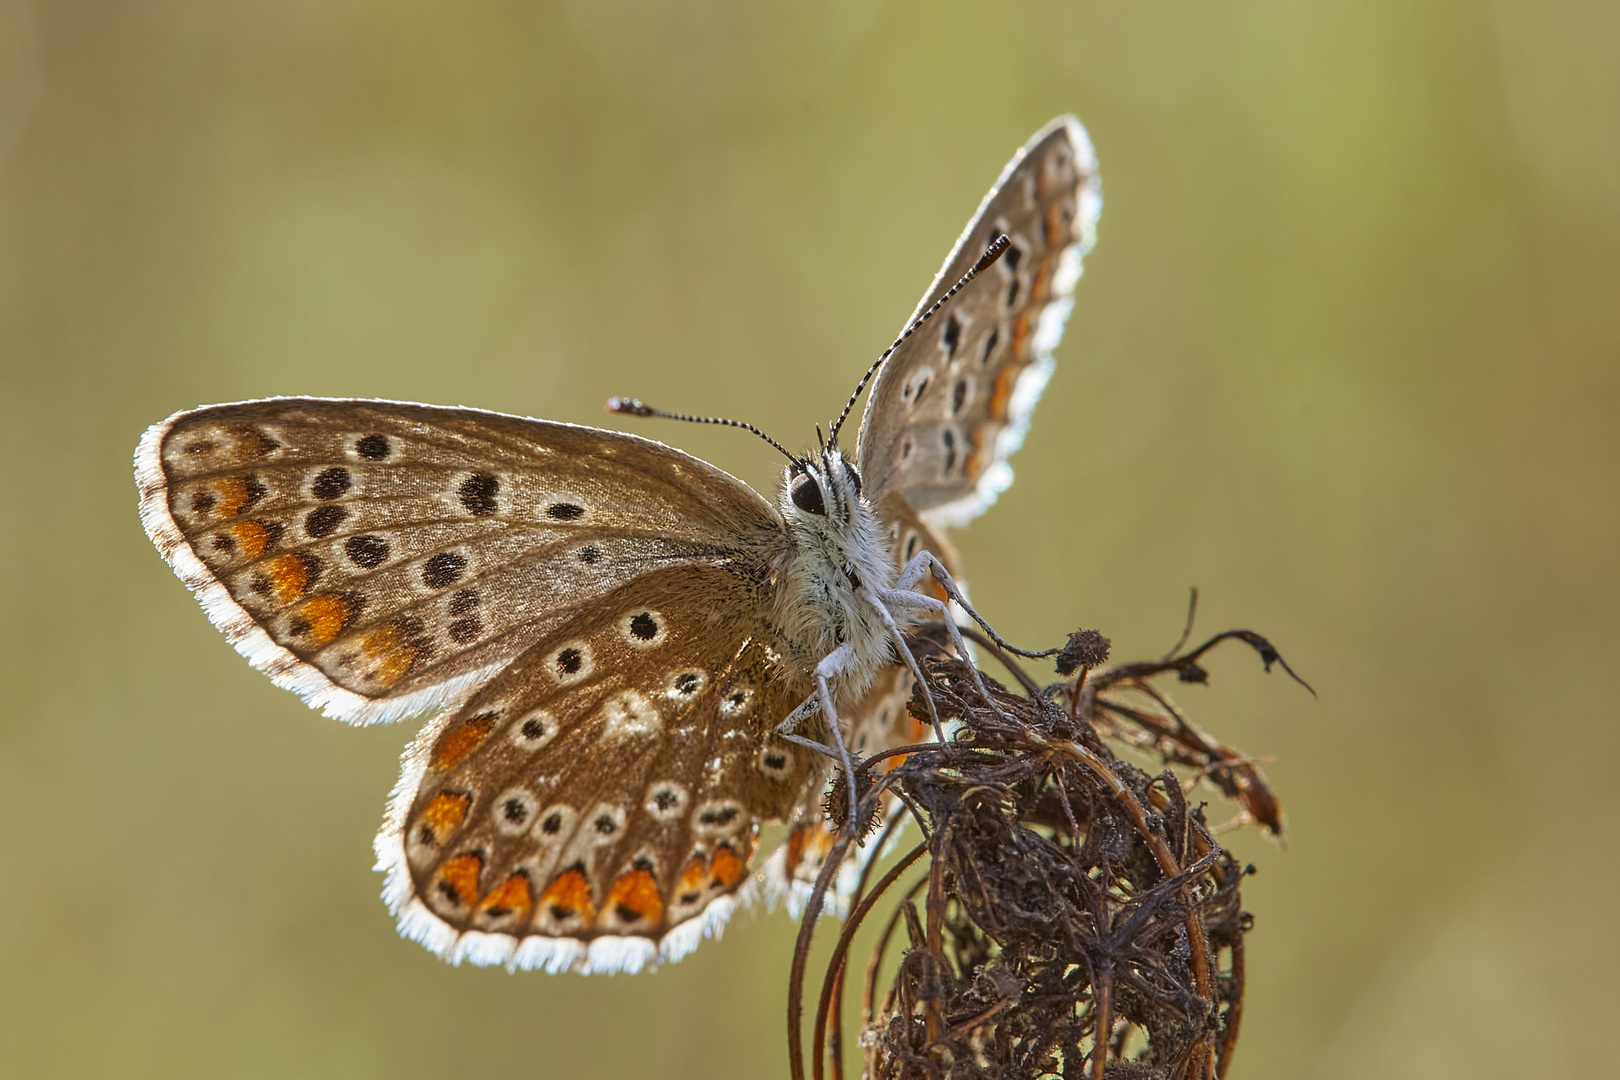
x=634, y=407
x=998, y=247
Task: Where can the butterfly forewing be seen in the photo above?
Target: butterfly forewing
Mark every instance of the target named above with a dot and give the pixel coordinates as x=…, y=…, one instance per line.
x=380, y=558
x=605, y=790
x=953, y=400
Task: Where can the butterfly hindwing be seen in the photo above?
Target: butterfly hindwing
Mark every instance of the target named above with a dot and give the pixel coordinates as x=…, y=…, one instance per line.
x=596, y=805
x=954, y=399
x=381, y=558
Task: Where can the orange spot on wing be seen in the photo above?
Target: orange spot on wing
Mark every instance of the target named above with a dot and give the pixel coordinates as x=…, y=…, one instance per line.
x=690, y=886
x=1058, y=223
x=381, y=640
x=725, y=870
x=511, y=897
x=394, y=667
x=289, y=576
x=979, y=455
x=326, y=616
x=812, y=841
x=444, y=813
x=461, y=875
x=233, y=495
x=1022, y=329
x=569, y=894
x=917, y=729
x=455, y=745
x=252, y=537
x=1001, y=389
x=1041, y=287
x=795, y=848
x=634, y=898
x=396, y=659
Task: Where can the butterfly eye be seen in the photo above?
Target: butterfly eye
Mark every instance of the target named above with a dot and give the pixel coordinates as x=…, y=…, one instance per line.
x=806, y=495
x=854, y=477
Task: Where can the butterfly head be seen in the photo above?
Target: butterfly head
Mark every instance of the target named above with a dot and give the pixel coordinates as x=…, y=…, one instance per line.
x=822, y=490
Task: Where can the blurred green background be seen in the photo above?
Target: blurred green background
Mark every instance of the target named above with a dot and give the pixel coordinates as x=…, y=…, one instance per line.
x=1347, y=357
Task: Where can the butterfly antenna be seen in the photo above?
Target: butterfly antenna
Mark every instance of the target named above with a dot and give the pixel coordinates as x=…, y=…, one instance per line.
x=635, y=407
x=998, y=247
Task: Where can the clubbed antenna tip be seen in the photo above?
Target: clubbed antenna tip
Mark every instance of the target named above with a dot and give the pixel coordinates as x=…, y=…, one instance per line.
x=628, y=406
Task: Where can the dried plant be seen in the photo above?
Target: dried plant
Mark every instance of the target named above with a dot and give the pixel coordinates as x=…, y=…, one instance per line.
x=1070, y=914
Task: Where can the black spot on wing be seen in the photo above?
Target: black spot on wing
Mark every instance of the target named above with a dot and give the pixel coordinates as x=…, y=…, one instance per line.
x=331, y=483
x=373, y=447
x=324, y=521
x=478, y=494
x=443, y=569
x=366, y=552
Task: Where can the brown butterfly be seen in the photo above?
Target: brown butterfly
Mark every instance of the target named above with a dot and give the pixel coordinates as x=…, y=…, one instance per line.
x=616, y=639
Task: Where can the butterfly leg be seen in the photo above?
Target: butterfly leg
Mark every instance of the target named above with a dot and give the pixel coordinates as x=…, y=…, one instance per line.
x=935, y=606
x=911, y=664
x=902, y=595
x=925, y=563
x=833, y=664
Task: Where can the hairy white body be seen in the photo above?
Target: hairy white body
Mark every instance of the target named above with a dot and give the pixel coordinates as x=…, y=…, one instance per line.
x=830, y=573
x=840, y=601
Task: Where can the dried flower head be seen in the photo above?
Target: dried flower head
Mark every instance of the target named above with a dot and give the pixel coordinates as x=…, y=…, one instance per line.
x=1076, y=916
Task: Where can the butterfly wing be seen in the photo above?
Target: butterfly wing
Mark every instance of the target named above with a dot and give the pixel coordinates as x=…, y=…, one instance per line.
x=596, y=805
x=954, y=399
x=586, y=608
x=381, y=558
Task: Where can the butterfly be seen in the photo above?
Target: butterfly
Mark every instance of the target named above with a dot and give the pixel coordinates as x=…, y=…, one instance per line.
x=629, y=657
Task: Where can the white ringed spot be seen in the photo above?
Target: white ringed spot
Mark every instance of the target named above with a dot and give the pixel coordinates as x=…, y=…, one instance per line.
x=533, y=731
x=554, y=824
x=686, y=685
x=719, y=817
x=775, y=762
x=514, y=811
x=642, y=629
x=604, y=824
x=666, y=800
x=570, y=663
x=630, y=713
x=737, y=701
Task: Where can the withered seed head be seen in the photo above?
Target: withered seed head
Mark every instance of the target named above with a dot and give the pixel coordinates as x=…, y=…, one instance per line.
x=1086, y=649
